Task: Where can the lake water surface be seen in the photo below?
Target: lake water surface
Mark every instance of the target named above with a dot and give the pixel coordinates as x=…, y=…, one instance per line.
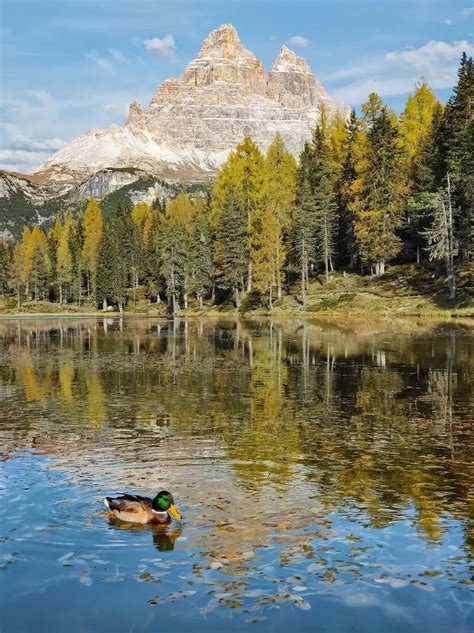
x=325, y=472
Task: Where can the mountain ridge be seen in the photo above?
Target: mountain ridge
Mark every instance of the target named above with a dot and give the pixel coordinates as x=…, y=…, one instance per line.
x=187, y=131
x=193, y=122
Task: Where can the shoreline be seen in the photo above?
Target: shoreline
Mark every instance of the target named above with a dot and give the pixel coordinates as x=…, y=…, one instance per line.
x=235, y=314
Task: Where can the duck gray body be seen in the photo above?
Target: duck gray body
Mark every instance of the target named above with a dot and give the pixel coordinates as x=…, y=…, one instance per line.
x=136, y=509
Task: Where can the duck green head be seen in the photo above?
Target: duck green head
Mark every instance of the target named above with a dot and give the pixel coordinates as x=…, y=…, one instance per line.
x=164, y=502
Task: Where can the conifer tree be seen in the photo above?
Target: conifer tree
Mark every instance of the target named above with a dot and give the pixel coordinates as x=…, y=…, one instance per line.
x=244, y=173
x=458, y=135
x=379, y=205
x=231, y=246
x=201, y=252
x=92, y=230
x=347, y=190
x=64, y=268
x=76, y=247
x=324, y=199
x=441, y=240
x=279, y=205
x=15, y=271
x=4, y=266
x=305, y=228
x=37, y=262
x=416, y=128
x=111, y=269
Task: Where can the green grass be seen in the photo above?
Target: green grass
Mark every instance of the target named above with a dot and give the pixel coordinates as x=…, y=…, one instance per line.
x=406, y=290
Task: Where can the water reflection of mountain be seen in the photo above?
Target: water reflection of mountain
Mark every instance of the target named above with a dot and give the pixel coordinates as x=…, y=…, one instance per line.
x=355, y=416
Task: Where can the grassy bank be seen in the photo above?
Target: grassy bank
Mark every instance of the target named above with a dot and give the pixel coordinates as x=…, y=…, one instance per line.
x=405, y=290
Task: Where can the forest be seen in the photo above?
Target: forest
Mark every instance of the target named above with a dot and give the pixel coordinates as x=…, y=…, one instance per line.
x=366, y=192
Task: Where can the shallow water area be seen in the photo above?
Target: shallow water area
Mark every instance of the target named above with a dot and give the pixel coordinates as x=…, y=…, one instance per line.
x=324, y=471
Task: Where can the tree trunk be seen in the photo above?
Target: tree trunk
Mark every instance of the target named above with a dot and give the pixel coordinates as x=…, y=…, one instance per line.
x=303, y=272
x=271, y=296
x=249, y=278
x=185, y=294
x=237, y=298
x=417, y=253
x=326, y=250
x=120, y=307
x=201, y=306
x=18, y=297
x=158, y=298
x=104, y=305
x=450, y=249
x=60, y=295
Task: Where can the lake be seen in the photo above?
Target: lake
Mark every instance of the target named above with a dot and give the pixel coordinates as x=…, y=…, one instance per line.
x=324, y=470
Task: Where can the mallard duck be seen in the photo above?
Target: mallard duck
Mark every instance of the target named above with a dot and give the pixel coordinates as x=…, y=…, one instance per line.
x=136, y=509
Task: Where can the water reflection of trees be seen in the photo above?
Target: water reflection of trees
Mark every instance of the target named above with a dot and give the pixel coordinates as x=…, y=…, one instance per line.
x=374, y=421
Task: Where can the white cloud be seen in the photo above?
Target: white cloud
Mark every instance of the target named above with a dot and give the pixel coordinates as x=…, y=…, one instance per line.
x=467, y=11
x=165, y=46
x=397, y=72
x=298, y=40
x=118, y=55
x=432, y=53
x=448, y=21
x=22, y=160
x=104, y=63
x=117, y=110
x=36, y=102
x=20, y=142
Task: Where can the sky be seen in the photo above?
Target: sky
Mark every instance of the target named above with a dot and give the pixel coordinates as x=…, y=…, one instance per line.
x=70, y=65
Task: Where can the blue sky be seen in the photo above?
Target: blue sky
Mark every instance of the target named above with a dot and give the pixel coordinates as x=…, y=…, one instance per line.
x=69, y=65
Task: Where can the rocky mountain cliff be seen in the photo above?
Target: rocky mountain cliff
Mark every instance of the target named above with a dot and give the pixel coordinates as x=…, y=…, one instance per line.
x=193, y=122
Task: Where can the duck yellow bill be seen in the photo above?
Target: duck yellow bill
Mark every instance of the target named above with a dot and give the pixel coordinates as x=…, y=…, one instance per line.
x=172, y=510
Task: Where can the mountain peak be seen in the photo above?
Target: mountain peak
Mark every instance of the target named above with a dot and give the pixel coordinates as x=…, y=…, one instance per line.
x=224, y=43
x=289, y=61
x=193, y=121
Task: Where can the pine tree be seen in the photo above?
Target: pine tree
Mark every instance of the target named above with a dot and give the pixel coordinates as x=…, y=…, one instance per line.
x=416, y=130
x=244, y=173
x=16, y=274
x=231, y=246
x=326, y=220
x=4, y=265
x=458, y=135
x=305, y=227
x=279, y=205
x=268, y=253
x=380, y=202
x=324, y=199
x=93, y=225
x=76, y=247
x=64, y=259
x=37, y=265
x=440, y=235
x=347, y=191
x=111, y=269
x=201, y=252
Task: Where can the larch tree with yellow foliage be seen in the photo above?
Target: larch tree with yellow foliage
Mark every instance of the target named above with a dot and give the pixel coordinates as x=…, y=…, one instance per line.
x=243, y=174
x=274, y=218
x=64, y=264
x=93, y=226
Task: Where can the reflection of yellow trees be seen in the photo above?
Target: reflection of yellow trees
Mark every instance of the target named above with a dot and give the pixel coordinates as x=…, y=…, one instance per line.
x=37, y=384
x=267, y=443
x=337, y=415
x=65, y=379
x=95, y=399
